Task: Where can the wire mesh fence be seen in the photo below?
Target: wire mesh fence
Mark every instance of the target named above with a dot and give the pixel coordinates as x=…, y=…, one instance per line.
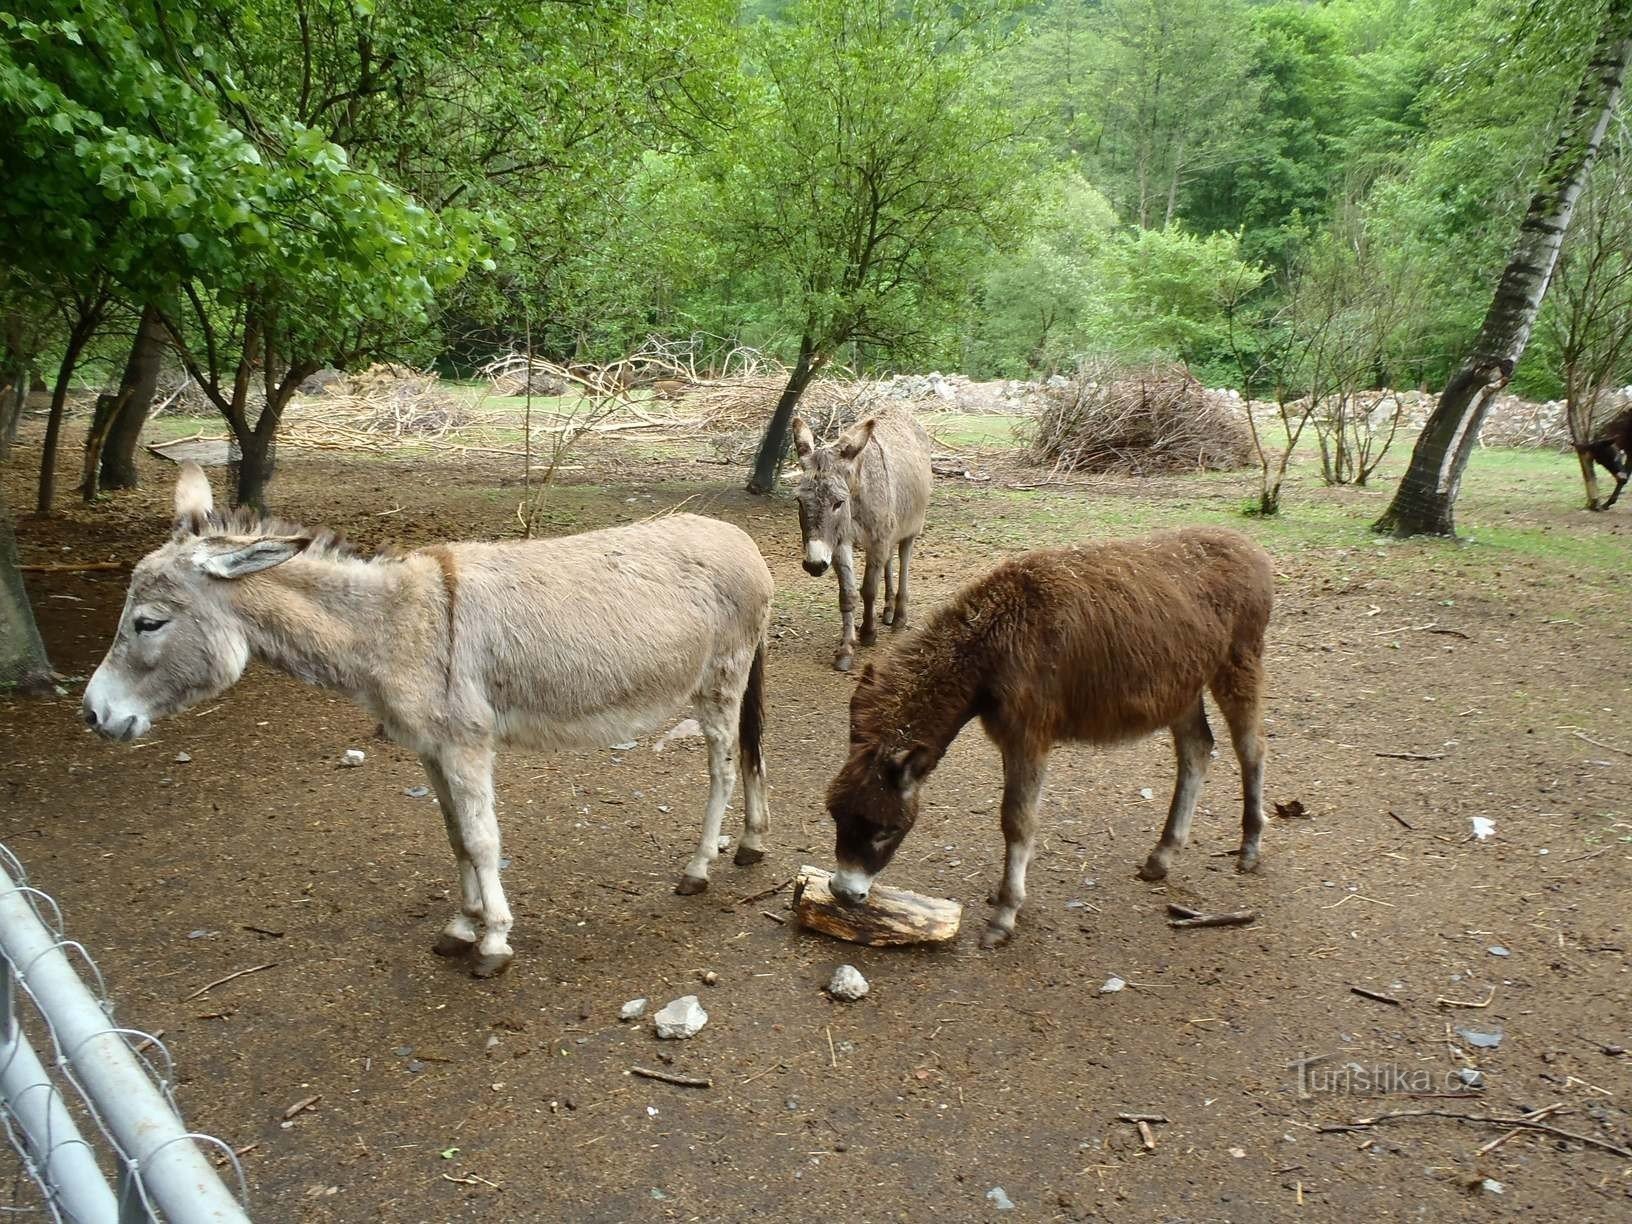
x=113, y=1149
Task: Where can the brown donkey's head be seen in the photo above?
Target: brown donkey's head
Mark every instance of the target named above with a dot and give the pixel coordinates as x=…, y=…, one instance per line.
x=826, y=475
x=873, y=800
x=179, y=639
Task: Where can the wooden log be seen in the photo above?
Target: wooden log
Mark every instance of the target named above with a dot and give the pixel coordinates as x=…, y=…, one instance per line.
x=889, y=916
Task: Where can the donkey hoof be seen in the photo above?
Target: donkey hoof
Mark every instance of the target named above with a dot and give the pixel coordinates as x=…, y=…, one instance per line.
x=1247, y=861
x=841, y=662
x=995, y=937
x=490, y=964
x=691, y=885
x=869, y=637
x=1153, y=870
x=887, y=617
x=452, y=945
x=746, y=857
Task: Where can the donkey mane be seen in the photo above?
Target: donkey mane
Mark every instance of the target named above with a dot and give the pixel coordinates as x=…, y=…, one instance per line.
x=326, y=543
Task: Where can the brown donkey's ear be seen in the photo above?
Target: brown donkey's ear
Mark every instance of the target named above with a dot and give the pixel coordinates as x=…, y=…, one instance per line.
x=855, y=438
x=193, y=499
x=804, y=442
x=223, y=558
x=909, y=767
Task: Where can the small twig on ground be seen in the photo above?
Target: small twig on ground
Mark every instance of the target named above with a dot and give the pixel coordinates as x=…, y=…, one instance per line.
x=1237, y=918
x=223, y=981
x=684, y=1081
x=1140, y=1117
x=1145, y=1135
x=1443, y=1002
x=1402, y=820
x=776, y=918
x=302, y=1105
x=1378, y=995
x=769, y=892
x=1412, y=756
x=472, y=1179
x=1534, y=1115
x=1176, y=910
x=832, y=1053
x=1523, y=1122
x=1580, y=735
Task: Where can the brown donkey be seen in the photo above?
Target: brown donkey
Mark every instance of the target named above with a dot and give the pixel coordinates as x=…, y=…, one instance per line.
x=1098, y=643
x=870, y=488
x=458, y=649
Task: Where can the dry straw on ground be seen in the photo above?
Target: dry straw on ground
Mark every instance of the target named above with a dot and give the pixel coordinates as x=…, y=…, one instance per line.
x=1138, y=420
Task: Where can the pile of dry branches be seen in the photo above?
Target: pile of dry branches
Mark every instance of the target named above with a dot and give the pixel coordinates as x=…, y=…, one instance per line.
x=1138, y=420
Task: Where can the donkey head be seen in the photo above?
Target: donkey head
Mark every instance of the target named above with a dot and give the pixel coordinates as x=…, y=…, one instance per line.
x=826, y=476
x=873, y=802
x=179, y=640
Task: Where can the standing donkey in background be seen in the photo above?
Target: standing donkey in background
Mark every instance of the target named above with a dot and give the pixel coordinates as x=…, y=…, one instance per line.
x=456, y=649
x=1098, y=644
x=871, y=488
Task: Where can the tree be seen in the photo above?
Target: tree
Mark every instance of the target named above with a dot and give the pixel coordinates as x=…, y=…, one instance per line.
x=870, y=166
x=1588, y=319
x=132, y=400
x=1426, y=497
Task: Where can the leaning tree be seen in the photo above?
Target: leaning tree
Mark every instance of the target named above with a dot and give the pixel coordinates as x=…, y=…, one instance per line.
x=1426, y=498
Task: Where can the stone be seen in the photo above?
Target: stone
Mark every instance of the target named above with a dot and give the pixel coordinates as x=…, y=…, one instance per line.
x=682, y=1018
x=183, y=757
x=353, y=758
x=1000, y=1200
x=632, y=1010
x=1112, y=985
x=1476, y=1037
x=847, y=984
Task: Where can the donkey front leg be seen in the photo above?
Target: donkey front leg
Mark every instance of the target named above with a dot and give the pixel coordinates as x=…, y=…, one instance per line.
x=888, y=614
x=720, y=729
x=869, y=596
x=1022, y=786
x=901, y=584
x=461, y=932
x=469, y=775
x=1193, y=745
x=844, y=568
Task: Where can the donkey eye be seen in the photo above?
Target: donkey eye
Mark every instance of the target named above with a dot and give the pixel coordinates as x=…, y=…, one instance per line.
x=146, y=624
x=838, y=502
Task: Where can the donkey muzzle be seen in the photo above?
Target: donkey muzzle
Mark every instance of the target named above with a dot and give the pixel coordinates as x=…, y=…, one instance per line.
x=815, y=568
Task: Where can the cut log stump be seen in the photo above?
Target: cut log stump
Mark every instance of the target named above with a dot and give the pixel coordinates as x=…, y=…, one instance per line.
x=889, y=915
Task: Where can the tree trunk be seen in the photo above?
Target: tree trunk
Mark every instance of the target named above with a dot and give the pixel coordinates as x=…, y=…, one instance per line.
x=1589, y=476
x=108, y=408
x=77, y=336
x=257, y=462
x=16, y=364
x=140, y=381
x=1426, y=498
x=768, y=463
x=22, y=655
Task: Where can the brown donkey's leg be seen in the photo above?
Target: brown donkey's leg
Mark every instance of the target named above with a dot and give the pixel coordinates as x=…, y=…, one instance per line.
x=1239, y=693
x=1193, y=746
x=844, y=568
x=901, y=583
x=460, y=934
x=1023, y=773
x=869, y=596
x=888, y=614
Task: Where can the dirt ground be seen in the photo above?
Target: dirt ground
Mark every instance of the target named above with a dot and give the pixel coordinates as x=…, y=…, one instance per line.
x=964, y=1077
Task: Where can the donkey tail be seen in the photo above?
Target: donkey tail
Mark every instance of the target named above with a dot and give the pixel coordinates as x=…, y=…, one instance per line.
x=751, y=722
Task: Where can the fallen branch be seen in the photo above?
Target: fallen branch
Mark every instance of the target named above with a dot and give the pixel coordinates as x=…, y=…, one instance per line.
x=667, y=1077
x=1525, y=1122
x=1578, y=735
x=1402, y=820
x=1375, y=994
x=1236, y=918
x=1413, y=756
x=223, y=981
x=1443, y=1002
x=769, y=892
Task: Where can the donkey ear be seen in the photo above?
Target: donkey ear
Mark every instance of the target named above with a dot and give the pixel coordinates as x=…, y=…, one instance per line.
x=804, y=442
x=193, y=499
x=855, y=438
x=221, y=558
x=909, y=767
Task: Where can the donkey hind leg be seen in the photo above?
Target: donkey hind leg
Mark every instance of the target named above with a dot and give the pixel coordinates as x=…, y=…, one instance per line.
x=756, y=811
x=460, y=934
x=844, y=568
x=719, y=723
x=869, y=595
x=1022, y=786
x=1239, y=693
x=1193, y=746
x=901, y=583
x=469, y=776
x=888, y=614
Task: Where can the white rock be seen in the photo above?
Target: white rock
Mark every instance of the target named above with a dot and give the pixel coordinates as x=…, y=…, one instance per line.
x=684, y=1017
x=848, y=984
x=183, y=757
x=632, y=1010
x=624, y=747
x=1483, y=827
x=1000, y=1200
x=1146, y=793
x=353, y=758
x=1112, y=985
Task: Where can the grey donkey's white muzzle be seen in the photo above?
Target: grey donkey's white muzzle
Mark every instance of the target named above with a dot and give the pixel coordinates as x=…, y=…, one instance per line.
x=850, y=885
x=110, y=712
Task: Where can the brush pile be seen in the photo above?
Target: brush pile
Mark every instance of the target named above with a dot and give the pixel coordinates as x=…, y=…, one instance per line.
x=1137, y=421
